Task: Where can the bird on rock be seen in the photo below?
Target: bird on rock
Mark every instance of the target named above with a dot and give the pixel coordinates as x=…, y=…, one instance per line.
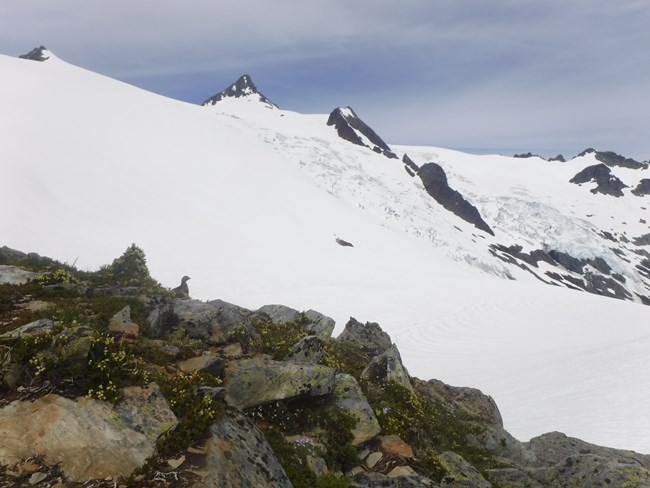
x=183, y=290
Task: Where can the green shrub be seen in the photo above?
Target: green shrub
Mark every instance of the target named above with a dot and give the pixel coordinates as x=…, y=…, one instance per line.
x=345, y=357
x=292, y=461
x=130, y=269
x=277, y=339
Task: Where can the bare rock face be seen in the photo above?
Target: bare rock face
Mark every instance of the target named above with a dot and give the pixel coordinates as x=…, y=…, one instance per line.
x=260, y=380
x=91, y=439
x=242, y=88
x=239, y=456
x=643, y=188
x=121, y=322
x=435, y=182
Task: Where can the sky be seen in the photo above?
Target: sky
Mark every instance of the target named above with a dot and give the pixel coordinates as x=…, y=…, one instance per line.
x=497, y=76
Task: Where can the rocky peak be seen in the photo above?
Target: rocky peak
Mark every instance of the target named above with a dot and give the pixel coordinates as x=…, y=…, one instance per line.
x=37, y=54
x=242, y=88
x=351, y=128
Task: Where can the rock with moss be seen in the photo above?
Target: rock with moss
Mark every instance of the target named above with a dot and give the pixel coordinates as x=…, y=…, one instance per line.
x=460, y=473
x=238, y=455
x=378, y=480
x=572, y=462
x=215, y=321
x=309, y=350
x=387, y=366
x=121, y=323
x=259, y=380
x=89, y=438
x=315, y=323
x=369, y=336
x=349, y=398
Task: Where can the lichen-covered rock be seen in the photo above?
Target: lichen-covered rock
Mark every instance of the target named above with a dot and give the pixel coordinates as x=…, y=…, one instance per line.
x=260, y=380
x=387, y=366
x=91, y=439
x=460, y=473
x=378, y=480
x=370, y=337
x=349, y=398
x=572, y=462
x=213, y=321
x=239, y=456
x=309, y=350
x=472, y=401
x=312, y=321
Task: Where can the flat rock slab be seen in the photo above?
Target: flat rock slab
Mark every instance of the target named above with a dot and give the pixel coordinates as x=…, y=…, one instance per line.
x=91, y=439
x=41, y=326
x=261, y=380
x=13, y=275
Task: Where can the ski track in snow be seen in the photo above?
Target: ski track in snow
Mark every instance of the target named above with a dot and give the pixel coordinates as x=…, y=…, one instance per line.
x=248, y=202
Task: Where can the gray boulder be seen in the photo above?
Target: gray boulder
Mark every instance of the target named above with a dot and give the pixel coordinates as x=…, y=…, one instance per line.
x=376, y=480
x=239, y=456
x=214, y=321
x=572, y=462
x=368, y=336
x=308, y=350
x=460, y=473
x=314, y=322
x=387, y=367
x=260, y=380
x=349, y=398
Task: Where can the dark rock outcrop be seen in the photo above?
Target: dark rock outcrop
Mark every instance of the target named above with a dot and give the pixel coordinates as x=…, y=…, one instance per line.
x=409, y=163
x=559, y=158
x=526, y=155
x=36, y=54
x=607, y=183
x=435, y=183
x=612, y=159
x=643, y=188
x=243, y=87
x=350, y=127
x=643, y=240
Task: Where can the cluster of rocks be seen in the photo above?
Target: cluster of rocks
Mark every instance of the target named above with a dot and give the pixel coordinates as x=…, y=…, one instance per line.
x=84, y=439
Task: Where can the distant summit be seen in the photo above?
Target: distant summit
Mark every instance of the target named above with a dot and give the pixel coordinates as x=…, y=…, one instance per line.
x=37, y=54
x=243, y=88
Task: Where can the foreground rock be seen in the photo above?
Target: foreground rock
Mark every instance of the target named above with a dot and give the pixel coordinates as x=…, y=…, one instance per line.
x=261, y=380
x=239, y=456
x=14, y=275
x=91, y=439
x=349, y=398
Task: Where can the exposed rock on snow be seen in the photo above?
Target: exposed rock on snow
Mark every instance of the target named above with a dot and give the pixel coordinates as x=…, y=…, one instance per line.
x=37, y=54
x=643, y=188
x=607, y=183
x=435, y=182
x=369, y=336
x=351, y=128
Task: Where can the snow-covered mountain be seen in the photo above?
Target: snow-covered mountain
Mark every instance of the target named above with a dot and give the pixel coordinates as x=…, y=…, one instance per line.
x=452, y=253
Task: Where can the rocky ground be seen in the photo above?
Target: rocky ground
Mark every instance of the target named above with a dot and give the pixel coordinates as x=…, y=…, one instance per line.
x=107, y=379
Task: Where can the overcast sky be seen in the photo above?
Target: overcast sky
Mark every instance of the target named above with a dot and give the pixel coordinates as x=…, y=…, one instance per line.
x=502, y=76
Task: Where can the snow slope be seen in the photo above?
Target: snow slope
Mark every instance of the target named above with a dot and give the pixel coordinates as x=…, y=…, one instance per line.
x=248, y=201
